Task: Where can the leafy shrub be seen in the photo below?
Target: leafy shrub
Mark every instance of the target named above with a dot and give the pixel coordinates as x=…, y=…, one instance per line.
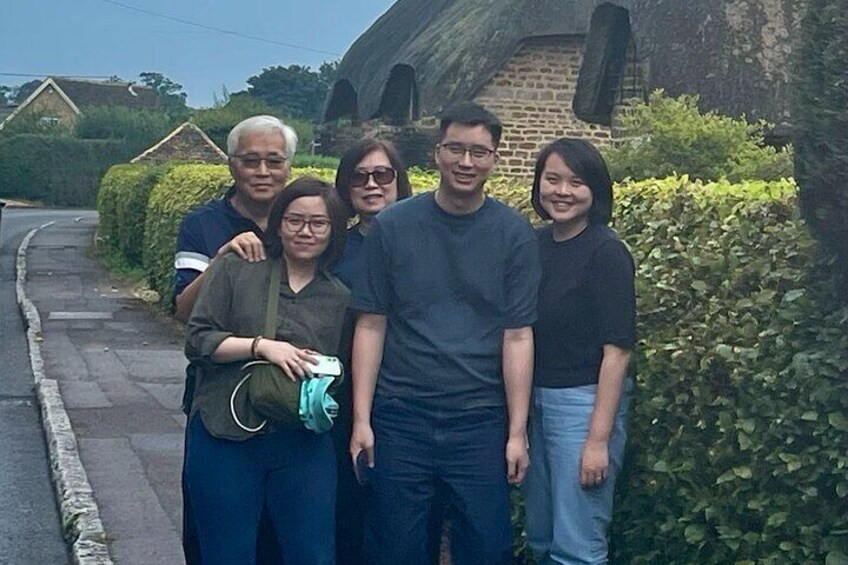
x=141, y=129
x=820, y=112
x=56, y=170
x=668, y=136
x=122, y=209
x=316, y=161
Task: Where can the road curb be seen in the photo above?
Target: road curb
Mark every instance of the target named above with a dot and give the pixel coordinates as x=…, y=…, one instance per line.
x=81, y=523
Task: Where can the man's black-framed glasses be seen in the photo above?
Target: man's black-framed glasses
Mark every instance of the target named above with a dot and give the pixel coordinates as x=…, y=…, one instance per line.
x=457, y=151
x=318, y=226
x=381, y=175
x=273, y=162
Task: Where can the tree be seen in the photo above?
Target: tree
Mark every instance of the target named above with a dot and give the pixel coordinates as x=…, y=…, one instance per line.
x=820, y=114
x=5, y=95
x=23, y=91
x=296, y=91
x=139, y=128
x=170, y=93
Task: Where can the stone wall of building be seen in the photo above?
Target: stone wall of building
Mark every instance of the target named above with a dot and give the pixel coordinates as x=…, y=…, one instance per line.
x=532, y=96
x=49, y=104
x=186, y=144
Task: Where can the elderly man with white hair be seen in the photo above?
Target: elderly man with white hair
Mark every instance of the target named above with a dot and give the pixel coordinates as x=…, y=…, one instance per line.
x=260, y=150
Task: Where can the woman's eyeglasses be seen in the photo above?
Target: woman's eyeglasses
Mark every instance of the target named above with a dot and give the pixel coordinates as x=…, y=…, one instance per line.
x=381, y=175
x=318, y=226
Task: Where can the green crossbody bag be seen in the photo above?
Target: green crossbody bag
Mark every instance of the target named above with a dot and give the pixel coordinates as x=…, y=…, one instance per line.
x=270, y=395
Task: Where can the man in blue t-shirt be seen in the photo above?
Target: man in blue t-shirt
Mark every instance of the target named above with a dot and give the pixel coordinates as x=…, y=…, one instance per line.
x=260, y=151
x=443, y=355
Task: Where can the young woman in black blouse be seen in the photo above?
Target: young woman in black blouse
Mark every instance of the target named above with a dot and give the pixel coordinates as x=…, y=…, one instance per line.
x=584, y=336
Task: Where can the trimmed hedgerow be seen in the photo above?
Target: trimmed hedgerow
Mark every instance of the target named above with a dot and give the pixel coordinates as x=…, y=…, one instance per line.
x=122, y=208
x=738, y=427
x=61, y=171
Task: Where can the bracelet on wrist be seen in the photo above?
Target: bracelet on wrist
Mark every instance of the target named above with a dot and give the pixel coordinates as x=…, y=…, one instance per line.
x=254, y=345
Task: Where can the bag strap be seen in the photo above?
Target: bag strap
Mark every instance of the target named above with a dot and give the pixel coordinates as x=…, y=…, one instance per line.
x=273, y=301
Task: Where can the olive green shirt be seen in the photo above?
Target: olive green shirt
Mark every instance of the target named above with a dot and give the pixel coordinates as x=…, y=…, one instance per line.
x=233, y=303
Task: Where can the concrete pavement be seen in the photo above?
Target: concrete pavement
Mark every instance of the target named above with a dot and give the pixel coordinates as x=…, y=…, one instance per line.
x=119, y=369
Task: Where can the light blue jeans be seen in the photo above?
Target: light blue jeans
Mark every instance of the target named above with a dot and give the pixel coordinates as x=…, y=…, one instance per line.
x=567, y=523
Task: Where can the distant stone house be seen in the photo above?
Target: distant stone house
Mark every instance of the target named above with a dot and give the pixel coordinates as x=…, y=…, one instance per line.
x=186, y=143
x=552, y=68
x=58, y=100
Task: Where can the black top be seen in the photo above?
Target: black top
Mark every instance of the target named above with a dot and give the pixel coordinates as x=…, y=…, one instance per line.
x=587, y=300
x=449, y=285
x=233, y=302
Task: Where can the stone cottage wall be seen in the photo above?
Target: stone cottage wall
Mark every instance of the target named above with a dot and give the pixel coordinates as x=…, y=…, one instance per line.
x=49, y=104
x=532, y=96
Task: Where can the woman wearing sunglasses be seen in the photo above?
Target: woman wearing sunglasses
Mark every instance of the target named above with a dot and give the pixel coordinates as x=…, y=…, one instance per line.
x=370, y=177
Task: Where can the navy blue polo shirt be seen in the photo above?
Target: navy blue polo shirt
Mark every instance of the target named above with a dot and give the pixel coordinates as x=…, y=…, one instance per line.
x=202, y=233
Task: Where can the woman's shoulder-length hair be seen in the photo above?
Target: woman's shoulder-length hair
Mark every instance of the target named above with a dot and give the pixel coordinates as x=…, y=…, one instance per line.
x=308, y=186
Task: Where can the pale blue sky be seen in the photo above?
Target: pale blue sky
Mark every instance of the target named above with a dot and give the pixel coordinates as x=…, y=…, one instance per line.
x=100, y=37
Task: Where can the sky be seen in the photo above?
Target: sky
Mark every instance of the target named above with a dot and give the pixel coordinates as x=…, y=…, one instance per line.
x=104, y=38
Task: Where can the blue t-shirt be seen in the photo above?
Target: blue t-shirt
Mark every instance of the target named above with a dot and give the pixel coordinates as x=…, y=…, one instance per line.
x=350, y=266
x=449, y=286
x=203, y=232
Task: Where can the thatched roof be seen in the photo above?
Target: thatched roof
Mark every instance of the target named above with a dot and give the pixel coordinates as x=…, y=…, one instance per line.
x=102, y=93
x=733, y=53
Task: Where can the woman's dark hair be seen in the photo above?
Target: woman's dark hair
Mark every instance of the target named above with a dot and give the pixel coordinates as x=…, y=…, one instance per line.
x=308, y=186
x=586, y=162
x=354, y=155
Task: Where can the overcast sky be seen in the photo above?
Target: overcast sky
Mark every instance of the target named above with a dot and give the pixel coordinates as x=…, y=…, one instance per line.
x=119, y=38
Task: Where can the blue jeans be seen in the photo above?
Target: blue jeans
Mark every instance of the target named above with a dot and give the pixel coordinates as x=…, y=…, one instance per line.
x=567, y=523
x=291, y=472
x=417, y=449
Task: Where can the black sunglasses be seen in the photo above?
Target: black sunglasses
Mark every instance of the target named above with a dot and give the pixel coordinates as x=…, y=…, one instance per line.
x=382, y=176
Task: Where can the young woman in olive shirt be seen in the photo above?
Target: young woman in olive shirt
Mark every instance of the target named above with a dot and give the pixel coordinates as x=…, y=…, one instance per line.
x=231, y=473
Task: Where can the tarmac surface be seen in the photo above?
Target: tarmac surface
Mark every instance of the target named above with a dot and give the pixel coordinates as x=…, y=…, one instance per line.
x=120, y=370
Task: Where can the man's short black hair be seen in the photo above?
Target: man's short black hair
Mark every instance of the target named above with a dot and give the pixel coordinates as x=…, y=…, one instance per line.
x=470, y=114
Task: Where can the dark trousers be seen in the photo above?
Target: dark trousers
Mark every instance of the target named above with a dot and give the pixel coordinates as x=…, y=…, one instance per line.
x=416, y=450
x=290, y=472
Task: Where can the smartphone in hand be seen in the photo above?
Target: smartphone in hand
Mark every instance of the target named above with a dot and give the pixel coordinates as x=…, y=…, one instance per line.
x=361, y=469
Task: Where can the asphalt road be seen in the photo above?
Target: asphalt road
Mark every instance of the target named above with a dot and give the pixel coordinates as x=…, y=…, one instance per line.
x=30, y=530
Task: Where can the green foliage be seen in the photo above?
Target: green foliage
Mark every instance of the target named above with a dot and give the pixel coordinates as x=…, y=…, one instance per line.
x=668, y=136
x=181, y=189
x=171, y=95
x=217, y=122
x=820, y=113
x=315, y=161
x=296, y=91
x=141, y=129
x=122, y=209
x=56, y=170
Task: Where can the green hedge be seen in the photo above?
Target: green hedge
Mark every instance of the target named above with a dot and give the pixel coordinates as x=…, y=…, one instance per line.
x=61, y=171
x=122, y=208
x=738, y=433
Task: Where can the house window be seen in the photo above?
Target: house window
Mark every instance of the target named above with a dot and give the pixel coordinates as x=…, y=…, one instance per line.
x=603, y=65
x=399, y=103
x=49, y=121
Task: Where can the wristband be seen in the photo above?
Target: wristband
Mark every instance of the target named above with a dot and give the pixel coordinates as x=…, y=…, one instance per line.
x=254, y=345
